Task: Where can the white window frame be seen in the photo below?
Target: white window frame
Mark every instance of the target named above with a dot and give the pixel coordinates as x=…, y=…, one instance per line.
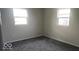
x=20, y=16
x=63, y=16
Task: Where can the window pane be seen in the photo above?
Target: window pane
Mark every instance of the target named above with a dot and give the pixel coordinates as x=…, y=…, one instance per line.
x=63, y=11
x=20, y=21
x=20, y=12
x=63, y=15
x=63, y=21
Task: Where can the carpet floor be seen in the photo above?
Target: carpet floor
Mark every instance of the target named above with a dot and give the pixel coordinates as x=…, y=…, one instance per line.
x=42, y=44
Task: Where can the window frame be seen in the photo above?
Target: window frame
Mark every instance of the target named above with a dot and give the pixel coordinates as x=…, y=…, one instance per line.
x=20, y=23
x=61, y=18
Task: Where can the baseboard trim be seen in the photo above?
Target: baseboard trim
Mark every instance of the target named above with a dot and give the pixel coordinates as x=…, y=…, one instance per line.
x=22, y=39
x=27, y=38
x=62, y=41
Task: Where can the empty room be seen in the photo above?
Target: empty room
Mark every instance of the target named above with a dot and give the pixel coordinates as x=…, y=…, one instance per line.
x=39, y=29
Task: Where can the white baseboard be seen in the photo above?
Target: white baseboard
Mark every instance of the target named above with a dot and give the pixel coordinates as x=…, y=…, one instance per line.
x=62, y=40
x=23, y=38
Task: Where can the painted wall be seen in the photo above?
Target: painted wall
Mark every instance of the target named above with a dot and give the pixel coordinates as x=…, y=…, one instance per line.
x=1, y=41
x=12, y=32
x=68, y=34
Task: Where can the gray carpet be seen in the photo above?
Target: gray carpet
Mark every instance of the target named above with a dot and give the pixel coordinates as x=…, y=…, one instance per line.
x=42, y=44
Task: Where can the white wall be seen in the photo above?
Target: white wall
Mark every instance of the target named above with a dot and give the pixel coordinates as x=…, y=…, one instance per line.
x=66, y=34
x=13, y=33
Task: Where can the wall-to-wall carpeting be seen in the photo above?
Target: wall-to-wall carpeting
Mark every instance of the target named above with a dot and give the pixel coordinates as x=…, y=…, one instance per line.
x=42, y=44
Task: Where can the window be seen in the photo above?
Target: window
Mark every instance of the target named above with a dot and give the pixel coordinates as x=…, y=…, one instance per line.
x=20, y=16
x=63, y=15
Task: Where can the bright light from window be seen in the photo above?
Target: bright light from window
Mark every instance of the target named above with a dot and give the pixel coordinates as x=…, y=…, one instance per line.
x=19, y=21
x=63, y=15
x=63, y=21
x=20, y=16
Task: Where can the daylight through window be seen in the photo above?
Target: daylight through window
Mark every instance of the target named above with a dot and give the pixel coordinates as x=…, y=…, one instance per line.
x=20, y=16
x=63, y=15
